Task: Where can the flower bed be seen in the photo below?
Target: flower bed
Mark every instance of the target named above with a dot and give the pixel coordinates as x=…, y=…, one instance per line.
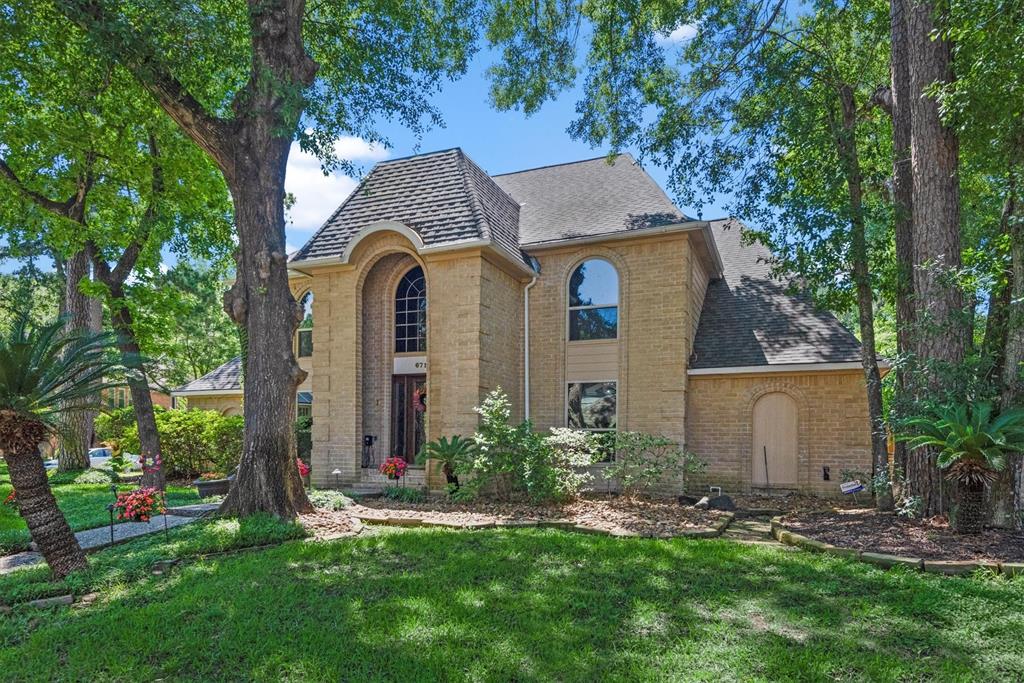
x=619, y=516
x=878, y=532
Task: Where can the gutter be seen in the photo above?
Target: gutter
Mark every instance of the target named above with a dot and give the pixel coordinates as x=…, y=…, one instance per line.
x=526, y=340
x=786, y=367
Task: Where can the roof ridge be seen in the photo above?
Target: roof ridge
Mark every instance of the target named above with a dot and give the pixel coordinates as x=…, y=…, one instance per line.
x=474, y=196
x=420, y=155
x=564, y=163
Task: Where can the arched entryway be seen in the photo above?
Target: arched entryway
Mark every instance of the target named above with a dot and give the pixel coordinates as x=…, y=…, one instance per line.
x=393, y=359
x=775, y=428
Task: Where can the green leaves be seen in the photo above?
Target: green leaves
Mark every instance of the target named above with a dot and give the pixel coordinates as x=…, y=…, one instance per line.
x=967, y=435
x=46, y=370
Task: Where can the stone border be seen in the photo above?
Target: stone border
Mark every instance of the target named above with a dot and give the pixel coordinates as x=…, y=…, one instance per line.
x=564, y=524
x=944, y=567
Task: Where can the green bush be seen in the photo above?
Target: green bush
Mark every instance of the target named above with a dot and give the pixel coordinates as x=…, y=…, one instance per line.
x=111, y=427
x=404, y=494
x=513, y=459
x=304, y=438
x=642, y=461
x=193, y=441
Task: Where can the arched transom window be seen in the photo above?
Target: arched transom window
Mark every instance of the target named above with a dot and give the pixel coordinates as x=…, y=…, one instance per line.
x=305, y=333
x=594, y=301
x=411, y=313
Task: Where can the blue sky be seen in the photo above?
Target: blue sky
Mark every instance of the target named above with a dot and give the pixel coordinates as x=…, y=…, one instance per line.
x=498, y=141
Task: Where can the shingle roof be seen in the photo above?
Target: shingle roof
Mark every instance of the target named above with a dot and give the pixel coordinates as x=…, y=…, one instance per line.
x=748, y=319
x=443, y=196
x=227, y=377
x=584, y=198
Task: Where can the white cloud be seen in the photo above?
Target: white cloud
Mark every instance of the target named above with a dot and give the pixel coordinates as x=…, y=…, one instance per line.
x=680, y=34
x=318, y=195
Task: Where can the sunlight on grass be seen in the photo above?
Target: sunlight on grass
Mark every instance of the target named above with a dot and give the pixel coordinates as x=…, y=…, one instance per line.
x=525, y=605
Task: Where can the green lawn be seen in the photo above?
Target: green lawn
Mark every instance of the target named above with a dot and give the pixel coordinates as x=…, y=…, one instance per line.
x=84, y=506
x=517, y=605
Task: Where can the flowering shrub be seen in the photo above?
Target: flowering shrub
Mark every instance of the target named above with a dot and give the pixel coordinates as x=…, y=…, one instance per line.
x=139, y=505
x=303, y=467
x=393, y=468
x=12, y=499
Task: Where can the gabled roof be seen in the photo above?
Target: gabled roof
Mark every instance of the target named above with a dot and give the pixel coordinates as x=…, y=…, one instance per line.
x=227, y=377
x=443, y=196
x=749, y=319
x=587, y=198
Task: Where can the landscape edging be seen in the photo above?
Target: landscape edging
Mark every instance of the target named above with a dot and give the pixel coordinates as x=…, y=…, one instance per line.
x=885, y=561
x=564, y=524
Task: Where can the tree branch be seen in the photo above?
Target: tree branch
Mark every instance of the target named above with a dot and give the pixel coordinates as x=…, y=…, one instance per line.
x=42, y=201
x=134, y=51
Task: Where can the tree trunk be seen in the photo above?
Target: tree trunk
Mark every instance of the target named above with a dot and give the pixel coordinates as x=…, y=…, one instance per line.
x=940, y=335
x=261, y=301
x=1008, y=494
x=142, y=402
x=970, y=514
x=903, y=208
x=36, y=503
x=81, y=314
x=846, y=146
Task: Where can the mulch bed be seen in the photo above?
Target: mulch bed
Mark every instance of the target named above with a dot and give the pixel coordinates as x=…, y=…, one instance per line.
x=884, y=532
x=642, y=517
x=323, y=524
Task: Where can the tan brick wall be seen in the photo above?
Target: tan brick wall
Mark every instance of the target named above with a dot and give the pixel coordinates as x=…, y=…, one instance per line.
x=833, y=425
x=501, y=335
x=221, y=404
x=654, y=342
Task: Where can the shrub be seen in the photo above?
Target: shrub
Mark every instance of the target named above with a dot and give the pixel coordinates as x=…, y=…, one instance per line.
x=194, y=441
x=111, y=427
x=513, y=459
x=404, y=494
x=642, y=461
x=451, y=454
x=332, y=500
x=303, y=437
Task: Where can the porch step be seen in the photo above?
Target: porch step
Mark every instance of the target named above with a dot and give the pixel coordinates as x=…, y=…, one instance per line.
x=362, y=490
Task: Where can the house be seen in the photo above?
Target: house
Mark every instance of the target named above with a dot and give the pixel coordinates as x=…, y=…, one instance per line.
x=583, y=293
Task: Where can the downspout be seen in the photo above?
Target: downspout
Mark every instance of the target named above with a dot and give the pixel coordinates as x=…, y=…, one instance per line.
x=526, y=338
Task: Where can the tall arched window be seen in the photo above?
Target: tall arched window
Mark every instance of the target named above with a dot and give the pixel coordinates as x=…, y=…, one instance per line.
x=411, y=313
x=305, y=333
x=594, y=301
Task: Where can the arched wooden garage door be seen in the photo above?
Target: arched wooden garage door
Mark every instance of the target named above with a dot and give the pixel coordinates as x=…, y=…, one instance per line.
x=775, y=441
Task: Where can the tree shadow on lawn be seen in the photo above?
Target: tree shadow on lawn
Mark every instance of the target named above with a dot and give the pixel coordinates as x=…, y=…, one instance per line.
x=531, y=605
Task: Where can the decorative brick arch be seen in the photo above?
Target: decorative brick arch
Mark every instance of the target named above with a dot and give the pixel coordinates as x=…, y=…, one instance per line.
x=746, y=422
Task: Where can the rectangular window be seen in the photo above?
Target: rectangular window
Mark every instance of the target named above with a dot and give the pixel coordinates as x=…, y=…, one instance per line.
x=305, y=343
x=591, y=406
x=593, y=323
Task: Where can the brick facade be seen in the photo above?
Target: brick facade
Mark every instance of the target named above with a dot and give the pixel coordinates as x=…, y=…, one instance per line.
x=833, y=428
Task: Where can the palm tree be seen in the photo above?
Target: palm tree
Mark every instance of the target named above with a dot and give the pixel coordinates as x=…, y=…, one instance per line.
x=972, y=446
x=44, y=372
x=451, y=454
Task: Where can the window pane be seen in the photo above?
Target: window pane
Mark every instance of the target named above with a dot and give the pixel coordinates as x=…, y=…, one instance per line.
x=594, y=283
x=593, y=323
x=305, y=343
x=592, y=405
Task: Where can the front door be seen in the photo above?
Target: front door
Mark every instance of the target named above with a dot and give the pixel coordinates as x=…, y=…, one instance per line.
x=776, y=425
x=408, y=408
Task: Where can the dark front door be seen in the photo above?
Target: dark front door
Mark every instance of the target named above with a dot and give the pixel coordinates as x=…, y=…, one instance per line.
x=408, y=408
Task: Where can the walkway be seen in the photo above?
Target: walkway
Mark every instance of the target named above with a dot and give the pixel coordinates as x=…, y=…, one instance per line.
x=94, y=539
x=752, y=530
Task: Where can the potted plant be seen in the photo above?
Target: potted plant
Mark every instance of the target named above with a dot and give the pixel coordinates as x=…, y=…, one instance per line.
x=393, y=468
x=212, y=484
x=972, y=445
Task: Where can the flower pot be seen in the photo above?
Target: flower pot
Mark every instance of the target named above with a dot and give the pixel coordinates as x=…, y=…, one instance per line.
x=211, y=487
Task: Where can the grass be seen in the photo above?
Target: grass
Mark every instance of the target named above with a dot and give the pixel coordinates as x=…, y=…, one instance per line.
x=524, y=604
x=82, y=497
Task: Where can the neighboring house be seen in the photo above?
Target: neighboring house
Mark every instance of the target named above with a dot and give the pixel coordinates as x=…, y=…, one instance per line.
x=588, y=297
x=121, y=397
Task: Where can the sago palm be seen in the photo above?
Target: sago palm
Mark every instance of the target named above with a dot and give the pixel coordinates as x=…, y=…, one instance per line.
x=451, y=454
x=972, y=446
x=43, y=371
